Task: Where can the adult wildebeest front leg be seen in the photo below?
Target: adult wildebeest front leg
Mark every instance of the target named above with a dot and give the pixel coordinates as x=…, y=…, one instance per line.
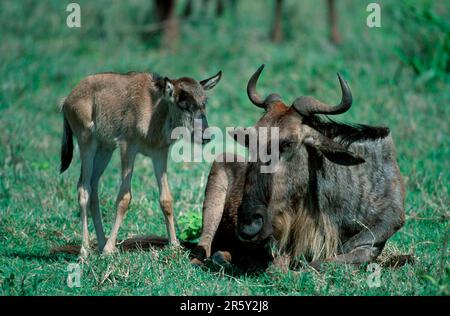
x=128, y=153
x=213, y=208
x=359, y=255
x=159, y=159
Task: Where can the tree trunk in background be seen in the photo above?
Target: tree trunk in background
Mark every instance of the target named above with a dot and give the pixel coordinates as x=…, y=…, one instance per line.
x=187, y=12
x=276, y=35
x=219, y=8
x=165, y=10
x=205, y=5
x=233, y=6
x=335, y=36
x=204, y=8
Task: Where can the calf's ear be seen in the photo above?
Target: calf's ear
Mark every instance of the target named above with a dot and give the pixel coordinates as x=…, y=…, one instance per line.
x=211, y=82
x=333, y=151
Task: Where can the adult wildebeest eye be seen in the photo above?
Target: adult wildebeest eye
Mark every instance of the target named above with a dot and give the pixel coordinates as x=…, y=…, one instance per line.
x=286, y=145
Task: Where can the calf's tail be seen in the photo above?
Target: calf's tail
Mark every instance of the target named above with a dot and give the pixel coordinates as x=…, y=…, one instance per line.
x=66, y=147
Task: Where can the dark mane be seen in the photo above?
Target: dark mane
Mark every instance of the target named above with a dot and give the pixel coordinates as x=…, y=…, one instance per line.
x=158, y=79
x=348, y=133
x=156, y=76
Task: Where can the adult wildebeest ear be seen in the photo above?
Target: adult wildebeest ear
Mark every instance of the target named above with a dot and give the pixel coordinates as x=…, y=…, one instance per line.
x=333, y=151
x=210, y=83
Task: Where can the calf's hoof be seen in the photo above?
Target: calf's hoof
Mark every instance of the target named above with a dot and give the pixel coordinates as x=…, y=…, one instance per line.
x=84, y=252
x=109, y=250
x=174, y=243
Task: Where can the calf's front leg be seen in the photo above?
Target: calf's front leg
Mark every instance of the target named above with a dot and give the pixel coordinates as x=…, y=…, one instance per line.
x=128, y=154
x=165, y=197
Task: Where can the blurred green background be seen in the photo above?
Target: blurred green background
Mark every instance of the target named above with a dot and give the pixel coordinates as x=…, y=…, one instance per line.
x=398, y=73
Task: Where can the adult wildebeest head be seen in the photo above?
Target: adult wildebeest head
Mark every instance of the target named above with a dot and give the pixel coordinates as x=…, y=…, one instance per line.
x=303, y=141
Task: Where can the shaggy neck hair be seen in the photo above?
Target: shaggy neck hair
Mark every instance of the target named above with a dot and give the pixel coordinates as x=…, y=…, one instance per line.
x=348, y=133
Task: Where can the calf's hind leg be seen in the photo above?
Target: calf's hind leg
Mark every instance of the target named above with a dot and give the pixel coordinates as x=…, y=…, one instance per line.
x=127, y=155
x=101, y=160
x=87, y=152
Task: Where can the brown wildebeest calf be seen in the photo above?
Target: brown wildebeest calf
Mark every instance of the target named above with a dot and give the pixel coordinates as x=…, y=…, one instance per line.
x=136, y=112
x=336, y=194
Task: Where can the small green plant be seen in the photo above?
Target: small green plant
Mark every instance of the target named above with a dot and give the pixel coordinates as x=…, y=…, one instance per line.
x=190, y=224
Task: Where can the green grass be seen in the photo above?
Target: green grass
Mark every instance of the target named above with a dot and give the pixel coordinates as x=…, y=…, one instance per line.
x=42, y=60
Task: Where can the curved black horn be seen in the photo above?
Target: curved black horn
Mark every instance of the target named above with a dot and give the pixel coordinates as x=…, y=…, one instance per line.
x=308, y=105
x=251, y=89
x=253, y=95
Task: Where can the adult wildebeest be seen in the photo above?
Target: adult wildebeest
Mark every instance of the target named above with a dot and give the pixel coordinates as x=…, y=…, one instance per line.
x=136, y=112
x=337, y=194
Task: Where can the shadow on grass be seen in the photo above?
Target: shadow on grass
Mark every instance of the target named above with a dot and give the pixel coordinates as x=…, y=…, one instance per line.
x=38, y=256
x=148, y=243
x=141, y=243
x=230, y=270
